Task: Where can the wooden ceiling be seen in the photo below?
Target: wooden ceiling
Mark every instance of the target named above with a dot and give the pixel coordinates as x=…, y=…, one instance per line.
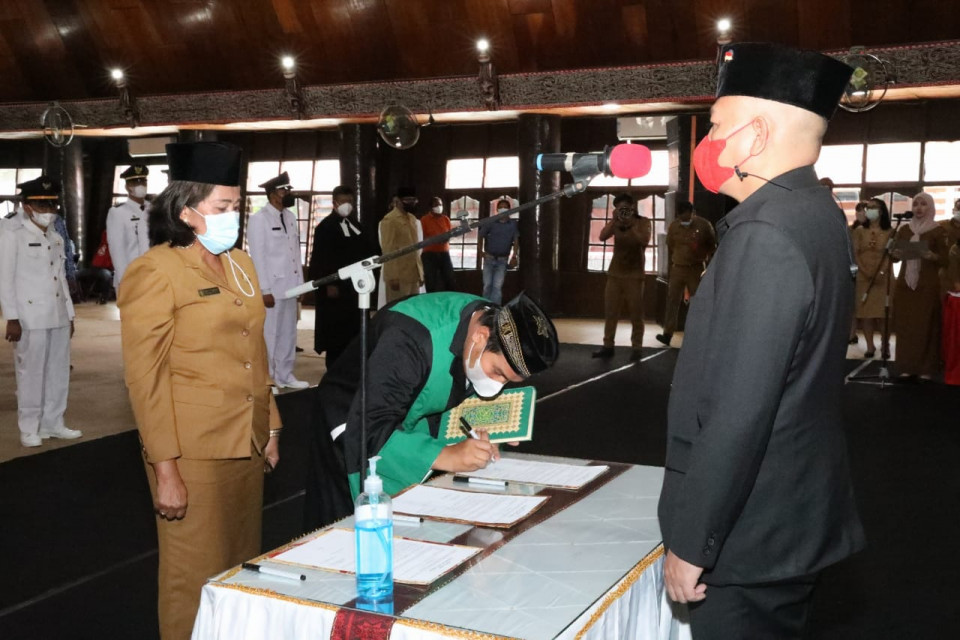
x=63, y=49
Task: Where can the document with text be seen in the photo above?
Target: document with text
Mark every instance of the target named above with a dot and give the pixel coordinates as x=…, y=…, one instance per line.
x=565, y=476
x=485, y=509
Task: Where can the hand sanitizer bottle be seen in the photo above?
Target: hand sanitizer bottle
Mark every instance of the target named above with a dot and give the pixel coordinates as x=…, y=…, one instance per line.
x=373, y=522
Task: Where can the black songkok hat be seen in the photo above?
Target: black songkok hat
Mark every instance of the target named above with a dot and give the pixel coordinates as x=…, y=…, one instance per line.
x=280, y=182
x=527, y=335
x=805, y=79
x=135, y=172
x=42, y=188
x=205, y=162
x=406, y=192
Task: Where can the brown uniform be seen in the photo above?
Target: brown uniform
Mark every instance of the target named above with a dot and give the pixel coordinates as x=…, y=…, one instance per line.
x=952, y=227
x=869, y=245
x=917, y=319
x=625, y=280
x=398, y=229
x=196, y=368
x=689, y=248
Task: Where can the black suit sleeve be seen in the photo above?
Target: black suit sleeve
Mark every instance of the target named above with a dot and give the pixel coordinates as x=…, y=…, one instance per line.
x=762, y=297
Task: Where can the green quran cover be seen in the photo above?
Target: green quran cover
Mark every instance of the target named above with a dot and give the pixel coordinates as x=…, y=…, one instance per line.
x=507, y=418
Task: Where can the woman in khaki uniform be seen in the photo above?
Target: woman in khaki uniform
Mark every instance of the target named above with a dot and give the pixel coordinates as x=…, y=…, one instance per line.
x=917, y=295
x=873, y=275
x=196, y=369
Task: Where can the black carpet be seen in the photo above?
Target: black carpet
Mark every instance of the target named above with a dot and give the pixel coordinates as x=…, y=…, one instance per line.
x=78, y=530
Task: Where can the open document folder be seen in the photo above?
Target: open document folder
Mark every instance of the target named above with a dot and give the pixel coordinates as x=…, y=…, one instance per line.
x=414, y=561
x=466, y=507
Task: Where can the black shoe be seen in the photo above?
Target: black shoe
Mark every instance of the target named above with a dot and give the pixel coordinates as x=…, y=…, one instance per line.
x=299, y=350
x=853, y=340
x=664, y=338
x=603, y=352
x=868, y=354
x=635, y=355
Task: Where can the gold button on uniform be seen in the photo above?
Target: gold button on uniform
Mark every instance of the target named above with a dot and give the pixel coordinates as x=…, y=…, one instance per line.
x=244, y=333
x=238, y=302
x=247, y=365
x=250, y=398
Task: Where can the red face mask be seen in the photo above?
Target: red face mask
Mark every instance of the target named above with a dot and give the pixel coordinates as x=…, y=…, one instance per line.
x=706, y=161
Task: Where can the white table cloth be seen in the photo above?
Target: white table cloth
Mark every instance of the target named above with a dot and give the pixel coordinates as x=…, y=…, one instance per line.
x=592, y=570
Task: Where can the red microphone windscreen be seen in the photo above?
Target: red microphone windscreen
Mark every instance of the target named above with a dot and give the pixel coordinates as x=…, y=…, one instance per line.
x=630, y=161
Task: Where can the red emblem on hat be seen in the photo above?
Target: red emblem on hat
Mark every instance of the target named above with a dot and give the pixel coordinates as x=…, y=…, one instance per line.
x=728, y=55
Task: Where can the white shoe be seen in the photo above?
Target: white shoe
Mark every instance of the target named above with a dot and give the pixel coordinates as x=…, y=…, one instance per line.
x=61, y=432
x=30, y=440
x=293, y=383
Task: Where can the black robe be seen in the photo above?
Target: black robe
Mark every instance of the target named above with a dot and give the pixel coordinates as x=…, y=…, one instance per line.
x=757, y=485
x=337, y=318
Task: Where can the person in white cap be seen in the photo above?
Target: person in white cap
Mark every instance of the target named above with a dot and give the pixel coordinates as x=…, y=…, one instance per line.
x=35, y=300
x=127, y=234
x=274, y=241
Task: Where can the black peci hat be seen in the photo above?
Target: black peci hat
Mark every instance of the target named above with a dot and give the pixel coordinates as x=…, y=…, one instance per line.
x=135, y=172
x=280, y=182
x=805, y=79
x=527, y=335
x=205, y=162
x=406, y=192
x=42, y=188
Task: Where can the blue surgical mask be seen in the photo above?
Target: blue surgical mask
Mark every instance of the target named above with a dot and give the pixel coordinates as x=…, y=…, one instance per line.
x=222, y=232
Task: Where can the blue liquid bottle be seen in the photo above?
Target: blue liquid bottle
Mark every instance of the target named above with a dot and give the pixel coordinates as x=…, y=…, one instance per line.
x=373, y=522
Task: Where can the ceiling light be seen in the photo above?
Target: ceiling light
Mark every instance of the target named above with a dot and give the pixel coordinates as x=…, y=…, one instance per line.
x=723, y=25
x=288, y=63
x=116, y=74
x=483, y=45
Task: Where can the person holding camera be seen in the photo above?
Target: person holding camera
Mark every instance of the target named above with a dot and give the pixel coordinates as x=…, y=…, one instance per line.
x=631, y=235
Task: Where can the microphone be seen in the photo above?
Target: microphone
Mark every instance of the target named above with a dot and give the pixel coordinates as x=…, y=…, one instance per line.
x=743, y=174
x=622, y=161
x=906, y=215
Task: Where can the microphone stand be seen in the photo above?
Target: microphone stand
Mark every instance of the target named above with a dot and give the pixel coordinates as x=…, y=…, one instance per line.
x=884, y=374
x=361, y=274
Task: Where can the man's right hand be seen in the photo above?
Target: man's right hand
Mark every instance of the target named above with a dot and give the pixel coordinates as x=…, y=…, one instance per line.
x=333, y=291
x=14, y=331
x=468, y=455
x=269, y=301
x=171, y=503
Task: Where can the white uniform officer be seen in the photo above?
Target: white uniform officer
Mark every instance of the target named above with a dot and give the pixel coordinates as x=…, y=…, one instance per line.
x=35, y=300
x=274, y=241
x=127, y=223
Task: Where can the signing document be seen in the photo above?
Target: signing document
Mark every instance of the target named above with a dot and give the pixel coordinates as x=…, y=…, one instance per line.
x=552, y=474
x=485, y=509
x=414, y=561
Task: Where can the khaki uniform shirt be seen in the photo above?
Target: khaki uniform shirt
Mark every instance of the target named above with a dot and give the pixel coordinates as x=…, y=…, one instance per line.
x=629, y=249
x=194, y=356
x=691, y=245
x=398, y=229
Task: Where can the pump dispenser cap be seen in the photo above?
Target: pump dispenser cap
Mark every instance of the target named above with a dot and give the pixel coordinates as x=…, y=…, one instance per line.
x=373, y=483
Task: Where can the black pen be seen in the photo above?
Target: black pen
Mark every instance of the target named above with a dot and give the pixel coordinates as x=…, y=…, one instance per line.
x=467, y=429
x=480, y=481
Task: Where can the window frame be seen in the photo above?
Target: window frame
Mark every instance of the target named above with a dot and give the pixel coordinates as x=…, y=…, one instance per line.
x=639, y=194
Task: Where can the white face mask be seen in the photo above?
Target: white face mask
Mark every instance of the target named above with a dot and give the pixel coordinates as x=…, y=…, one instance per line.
x=485, y=386
x=872, y=214
x=344, y=209
x=437, y=209
x=139, y=191
x=685, y=223
x=43, y=219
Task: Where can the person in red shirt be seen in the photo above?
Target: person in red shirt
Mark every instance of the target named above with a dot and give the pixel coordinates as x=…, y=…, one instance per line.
x=437, y=266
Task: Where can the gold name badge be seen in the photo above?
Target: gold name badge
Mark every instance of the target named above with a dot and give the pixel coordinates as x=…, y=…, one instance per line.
x=212, y=291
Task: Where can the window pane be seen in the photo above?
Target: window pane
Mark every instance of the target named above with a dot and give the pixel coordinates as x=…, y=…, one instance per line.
x=326, y=175
x=260, y=172
x=895, y=162
x=8, y=182
x=842, y=163
x=596, y=226
x=23, y=175
x=848, y=197
x=158, y=179
x=645, y=207
x=941, y=161
x=502, y=172
x=463, y=249
x=659, y=171
x=609, y=181
x=466, y=173
x=253, y=204
x=944, y=198
x=595, y=261
x=300, y=172
x=601, y=208
x=897, y=202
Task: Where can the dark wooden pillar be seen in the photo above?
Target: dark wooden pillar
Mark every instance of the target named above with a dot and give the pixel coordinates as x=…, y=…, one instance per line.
x=358, y=169
x=539, y=228
x=74, y=201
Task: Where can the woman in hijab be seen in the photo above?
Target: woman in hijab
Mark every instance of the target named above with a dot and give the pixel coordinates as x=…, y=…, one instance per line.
x=922, y=246
x=869, y=245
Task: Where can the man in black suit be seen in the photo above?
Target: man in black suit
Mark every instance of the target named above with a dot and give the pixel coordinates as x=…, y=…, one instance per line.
x=757, y=496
